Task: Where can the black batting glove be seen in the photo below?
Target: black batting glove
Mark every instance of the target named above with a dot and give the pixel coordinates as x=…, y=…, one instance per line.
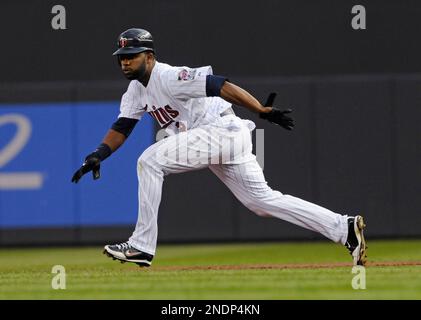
x=92, y=163
x=279, y=117
x=276, y=115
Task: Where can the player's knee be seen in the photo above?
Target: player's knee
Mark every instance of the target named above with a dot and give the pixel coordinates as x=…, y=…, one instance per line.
x=260, y=203
x=262, y=213
x=257, y=208
x=144, y=162
x=251, y=204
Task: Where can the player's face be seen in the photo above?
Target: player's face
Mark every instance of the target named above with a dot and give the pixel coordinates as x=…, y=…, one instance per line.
x=134, y=65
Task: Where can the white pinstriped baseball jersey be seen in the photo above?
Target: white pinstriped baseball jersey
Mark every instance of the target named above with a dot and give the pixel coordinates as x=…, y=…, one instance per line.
x=173, y=96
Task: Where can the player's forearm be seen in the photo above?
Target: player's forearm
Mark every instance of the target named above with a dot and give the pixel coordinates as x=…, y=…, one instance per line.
x=114, y=139
x=238, y=96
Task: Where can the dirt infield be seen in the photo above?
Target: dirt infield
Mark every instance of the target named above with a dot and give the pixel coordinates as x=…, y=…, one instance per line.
x=285, y=266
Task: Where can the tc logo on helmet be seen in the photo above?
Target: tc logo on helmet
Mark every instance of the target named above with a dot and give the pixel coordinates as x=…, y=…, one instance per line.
x=123, y=42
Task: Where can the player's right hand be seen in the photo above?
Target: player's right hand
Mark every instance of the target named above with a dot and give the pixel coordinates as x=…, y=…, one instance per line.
x=92, y=163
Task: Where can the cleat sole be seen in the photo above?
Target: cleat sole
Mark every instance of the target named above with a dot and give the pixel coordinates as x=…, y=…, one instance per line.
x=143, y=265
x=363, y=247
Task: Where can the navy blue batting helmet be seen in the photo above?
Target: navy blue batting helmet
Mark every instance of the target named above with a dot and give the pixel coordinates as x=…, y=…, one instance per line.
x=134, y=40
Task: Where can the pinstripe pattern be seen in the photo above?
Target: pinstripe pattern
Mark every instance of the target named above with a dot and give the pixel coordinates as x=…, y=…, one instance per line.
x=247, y=183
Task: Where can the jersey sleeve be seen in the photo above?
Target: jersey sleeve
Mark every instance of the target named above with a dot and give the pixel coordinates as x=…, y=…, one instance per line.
x=185, y=83
x=130, y=106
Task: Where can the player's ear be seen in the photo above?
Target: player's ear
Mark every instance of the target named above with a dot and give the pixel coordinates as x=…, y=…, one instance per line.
x=150, y=55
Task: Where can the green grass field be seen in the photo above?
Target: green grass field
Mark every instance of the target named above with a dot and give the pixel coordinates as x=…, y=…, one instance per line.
x=218, y=271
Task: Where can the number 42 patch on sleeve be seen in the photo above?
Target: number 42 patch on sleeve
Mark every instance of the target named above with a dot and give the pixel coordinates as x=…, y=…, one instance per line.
x=187, y=74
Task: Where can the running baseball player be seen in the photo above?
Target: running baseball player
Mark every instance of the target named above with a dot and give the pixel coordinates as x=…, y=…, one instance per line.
x=194, y=106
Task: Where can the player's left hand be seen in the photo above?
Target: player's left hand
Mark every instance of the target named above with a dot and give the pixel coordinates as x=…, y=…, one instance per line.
x=276, y=115
x=92, y=163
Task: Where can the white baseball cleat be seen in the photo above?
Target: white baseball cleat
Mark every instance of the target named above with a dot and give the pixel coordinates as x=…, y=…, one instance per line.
x=355, y=242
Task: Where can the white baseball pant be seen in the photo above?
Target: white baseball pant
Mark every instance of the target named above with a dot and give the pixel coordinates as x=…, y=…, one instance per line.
x=227, y=151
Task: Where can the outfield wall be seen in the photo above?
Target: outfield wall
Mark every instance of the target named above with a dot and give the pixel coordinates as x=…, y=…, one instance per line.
x=355, y=149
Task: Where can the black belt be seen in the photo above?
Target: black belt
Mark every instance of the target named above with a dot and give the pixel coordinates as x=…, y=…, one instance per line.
x=227, y=112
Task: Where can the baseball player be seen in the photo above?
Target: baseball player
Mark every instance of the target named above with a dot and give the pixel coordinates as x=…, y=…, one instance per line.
x=194, y=106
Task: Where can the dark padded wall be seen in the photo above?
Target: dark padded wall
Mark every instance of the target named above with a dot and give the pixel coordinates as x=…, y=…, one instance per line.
x=406, y=124
x=355, y=149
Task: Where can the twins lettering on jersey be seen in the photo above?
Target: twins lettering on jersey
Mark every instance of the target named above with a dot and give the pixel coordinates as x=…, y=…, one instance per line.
x=164, y=115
